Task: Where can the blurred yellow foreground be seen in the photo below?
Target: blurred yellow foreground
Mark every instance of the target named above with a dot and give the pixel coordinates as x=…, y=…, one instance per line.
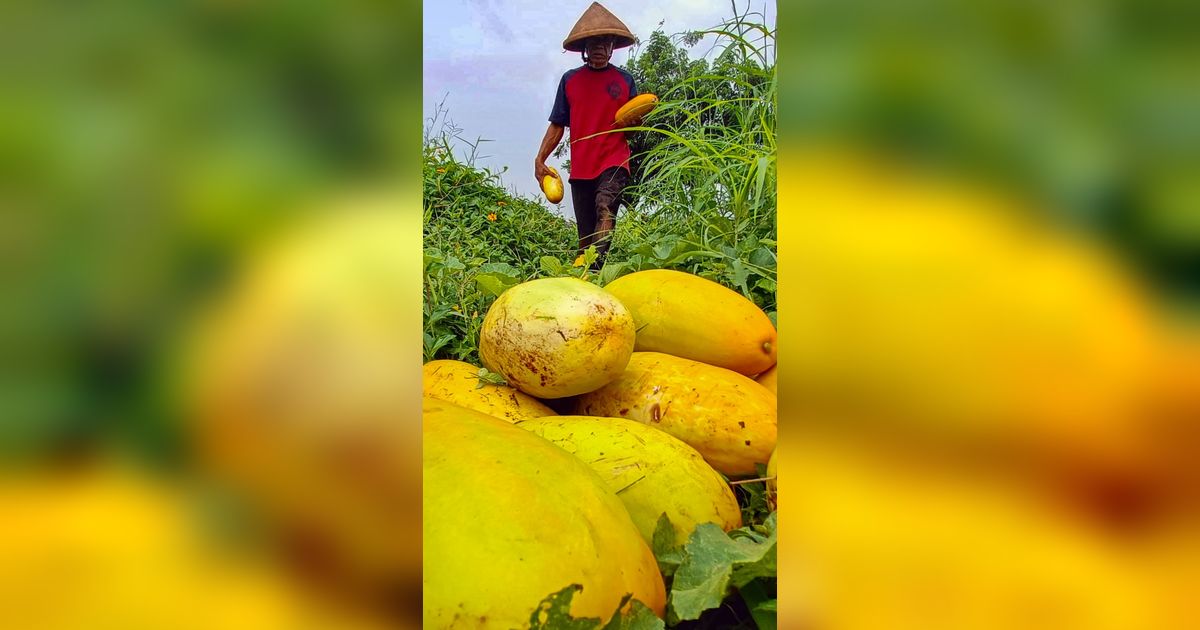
x=987, y=423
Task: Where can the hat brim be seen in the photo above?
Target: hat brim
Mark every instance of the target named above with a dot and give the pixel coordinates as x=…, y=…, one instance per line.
x=621, y=39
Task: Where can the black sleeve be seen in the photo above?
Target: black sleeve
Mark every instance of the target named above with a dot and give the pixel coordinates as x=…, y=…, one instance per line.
x=628, y=76
x=561, y=113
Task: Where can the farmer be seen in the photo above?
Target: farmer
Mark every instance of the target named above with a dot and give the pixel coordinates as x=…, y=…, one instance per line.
x=587, y=101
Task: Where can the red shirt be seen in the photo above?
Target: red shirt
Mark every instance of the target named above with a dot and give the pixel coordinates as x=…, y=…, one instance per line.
x=587, y=102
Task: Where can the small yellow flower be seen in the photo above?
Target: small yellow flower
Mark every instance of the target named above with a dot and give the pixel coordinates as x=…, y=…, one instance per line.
x=491, y=216
x=501, y=203
x=578, y=261
x=441, y=170
x=456, y=308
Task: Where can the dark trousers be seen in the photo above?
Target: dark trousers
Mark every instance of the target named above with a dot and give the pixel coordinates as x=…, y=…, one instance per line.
x=595, y=202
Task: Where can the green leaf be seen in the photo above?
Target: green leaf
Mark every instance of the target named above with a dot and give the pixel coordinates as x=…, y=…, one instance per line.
x=666, y=550
x=554, y=613
x=639, y=617
x=762, y=166
x=433, y=345
x=762, y=257
x=613, y=270
x=551, y=266
x=761, y=602
x=503, y=271
x=766, y=284
x=740, y=274
x=489, y=378
x=491, y=284
x=589, y=256
x=713, y=561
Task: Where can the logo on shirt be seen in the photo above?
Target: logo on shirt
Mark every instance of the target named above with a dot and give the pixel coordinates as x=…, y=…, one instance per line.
x=614, y=89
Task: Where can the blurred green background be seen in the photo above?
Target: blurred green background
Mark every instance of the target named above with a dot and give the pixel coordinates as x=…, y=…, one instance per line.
x=1085, y=107
x=146, y=147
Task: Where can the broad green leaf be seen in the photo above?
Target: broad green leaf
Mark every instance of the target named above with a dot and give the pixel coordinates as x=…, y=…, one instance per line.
x=639, y=617
x=645, y=249
x=491, y=284
x=666, y=550
x=761, y=601
x=551, y=266
x=762, y=257
x=766, y=284
x=554, y=613
x=713, y=561
x=766, y=567
x=502, y=270
x=740, y=274
x=612, y=271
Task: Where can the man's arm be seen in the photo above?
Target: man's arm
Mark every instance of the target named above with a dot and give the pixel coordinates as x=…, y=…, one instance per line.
x=554, y=135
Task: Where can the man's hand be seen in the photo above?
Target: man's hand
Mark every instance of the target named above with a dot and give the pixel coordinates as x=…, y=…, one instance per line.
x=554, y=134
x=633, y=122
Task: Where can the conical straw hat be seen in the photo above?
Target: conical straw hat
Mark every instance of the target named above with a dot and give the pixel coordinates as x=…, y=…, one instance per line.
x=598, y=21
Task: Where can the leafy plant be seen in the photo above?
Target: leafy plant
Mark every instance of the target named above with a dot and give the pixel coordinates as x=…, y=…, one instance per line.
x=713, y=566
x=479, y=239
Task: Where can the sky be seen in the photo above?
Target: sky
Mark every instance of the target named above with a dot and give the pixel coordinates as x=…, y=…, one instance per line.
x=496, y=64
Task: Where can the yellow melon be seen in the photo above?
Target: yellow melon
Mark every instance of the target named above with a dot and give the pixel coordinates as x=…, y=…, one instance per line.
x=650, y=471
x=552, y=186
x=300, y=381
x=631, y=113
x=901, y=542
x=511, y=518
x=958, y=316
x=727, y=417
x=556, y=337
x=458, y=382
x=769, y=380
x=695, y=318
x=109, y=547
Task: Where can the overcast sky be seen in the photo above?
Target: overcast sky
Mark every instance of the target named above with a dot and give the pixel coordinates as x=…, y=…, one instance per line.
x=497, y=63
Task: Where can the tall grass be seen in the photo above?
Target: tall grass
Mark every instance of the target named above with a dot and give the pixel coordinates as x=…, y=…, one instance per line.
x=705, y=200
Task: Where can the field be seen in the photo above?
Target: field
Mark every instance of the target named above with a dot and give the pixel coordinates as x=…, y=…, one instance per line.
x=702, y=201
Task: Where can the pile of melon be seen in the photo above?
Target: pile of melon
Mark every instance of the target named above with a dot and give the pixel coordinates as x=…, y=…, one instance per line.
x=654, y=376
